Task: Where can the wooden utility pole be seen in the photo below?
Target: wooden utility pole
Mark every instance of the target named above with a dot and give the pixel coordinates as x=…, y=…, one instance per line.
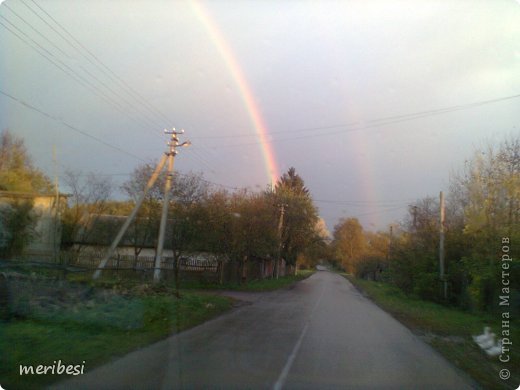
x=282, y=207
x=415, y=218
x=56, y=241
x=441, y=248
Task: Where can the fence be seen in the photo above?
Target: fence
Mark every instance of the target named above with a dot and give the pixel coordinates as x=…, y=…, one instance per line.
x=196, y=267
x=130, y=262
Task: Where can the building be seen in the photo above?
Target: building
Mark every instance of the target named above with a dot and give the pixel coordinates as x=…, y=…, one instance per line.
x=46, y=238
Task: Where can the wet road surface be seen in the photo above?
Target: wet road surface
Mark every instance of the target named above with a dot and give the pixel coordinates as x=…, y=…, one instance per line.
x=320, y=334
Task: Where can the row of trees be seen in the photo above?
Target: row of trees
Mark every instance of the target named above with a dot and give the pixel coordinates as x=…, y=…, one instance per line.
x=18, y=173
x=482, y=213
x=240, y=225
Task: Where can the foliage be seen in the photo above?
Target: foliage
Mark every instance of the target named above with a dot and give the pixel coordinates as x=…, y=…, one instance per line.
x=483, y=208
x=88, y=199
x=298, y=231
x=489, y=195
x=17, y=224
x=98, y=332
x=349, y=243
x=17, y=172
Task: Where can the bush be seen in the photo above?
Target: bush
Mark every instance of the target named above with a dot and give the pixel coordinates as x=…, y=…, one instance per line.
x=17, y=222
x=370, y=267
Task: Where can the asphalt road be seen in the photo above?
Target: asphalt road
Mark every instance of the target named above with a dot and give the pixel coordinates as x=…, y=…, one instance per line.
x=321, y=334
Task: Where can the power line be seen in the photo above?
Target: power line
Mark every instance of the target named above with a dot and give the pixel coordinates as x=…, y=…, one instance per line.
x=64, y=67
x=378, y=212
x=373, y=123
x=98, y=63
x=82, y=132
x=176, y=173
x=75, y=75
x=354, y=203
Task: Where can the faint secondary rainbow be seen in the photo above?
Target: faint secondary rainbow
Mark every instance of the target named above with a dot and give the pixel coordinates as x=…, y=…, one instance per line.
x=232, y=64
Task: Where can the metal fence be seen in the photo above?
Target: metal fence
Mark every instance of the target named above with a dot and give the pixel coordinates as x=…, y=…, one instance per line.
x=128, y=262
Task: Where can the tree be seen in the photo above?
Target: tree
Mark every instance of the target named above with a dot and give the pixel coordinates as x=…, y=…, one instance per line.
x=146, y=224
x=318, y=250
x=187, y=189
x=414, y=259
x=487, y=192
x=375, y=256
x=88, y=199
x=291, y=180
x=252, y=229
x=300, y=218
x=17, y=224
x=349, y=243
x=17, y=172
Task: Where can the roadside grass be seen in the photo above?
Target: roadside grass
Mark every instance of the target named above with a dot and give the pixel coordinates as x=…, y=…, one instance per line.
x=97, y=333
x=449, y=330
x=253, y=286
x=130, y=315
x=191, y=285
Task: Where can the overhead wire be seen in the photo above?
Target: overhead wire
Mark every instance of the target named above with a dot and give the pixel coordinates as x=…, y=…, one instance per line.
x=95, y=61
x=379, y=211
x=97, y=88
x=72, y=127
x=103, y=68
x=64, y=67
x=49, y=56
x=86, y=134
x=372, y=123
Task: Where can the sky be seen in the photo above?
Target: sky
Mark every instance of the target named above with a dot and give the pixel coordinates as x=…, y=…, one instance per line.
x=350, y=93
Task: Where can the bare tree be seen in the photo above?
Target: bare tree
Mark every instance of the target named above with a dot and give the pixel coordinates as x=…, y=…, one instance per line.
x=87, y=202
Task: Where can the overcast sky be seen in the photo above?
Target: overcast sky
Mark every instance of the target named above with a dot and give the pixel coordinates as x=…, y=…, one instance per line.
x=319, y=74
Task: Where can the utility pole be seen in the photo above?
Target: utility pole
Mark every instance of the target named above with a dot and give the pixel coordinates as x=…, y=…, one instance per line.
x=282, y=207
x=56, y=243
x=173, y=144
x=441, y=248
x=390, y=242
x=169, y=155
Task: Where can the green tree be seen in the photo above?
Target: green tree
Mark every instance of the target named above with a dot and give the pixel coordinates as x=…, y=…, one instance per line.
x=375, y=256
x=17, y=172
x=349, y=243
x=488, y=193
x=17, y=222
x=253, y=233
x=414, y=264
x=301, y=216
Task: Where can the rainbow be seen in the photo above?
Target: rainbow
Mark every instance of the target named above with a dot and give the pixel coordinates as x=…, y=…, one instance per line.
x=246, y=93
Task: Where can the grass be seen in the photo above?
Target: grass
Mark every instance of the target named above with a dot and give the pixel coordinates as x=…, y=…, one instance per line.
x=449, y=330
x=98, y=333
x=130, y=315
x=254, y=285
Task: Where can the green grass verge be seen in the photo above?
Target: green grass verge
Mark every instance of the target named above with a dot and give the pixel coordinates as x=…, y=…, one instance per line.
x=136, y=314
x=98, y=333
x=449, y=330
x=254, y=285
